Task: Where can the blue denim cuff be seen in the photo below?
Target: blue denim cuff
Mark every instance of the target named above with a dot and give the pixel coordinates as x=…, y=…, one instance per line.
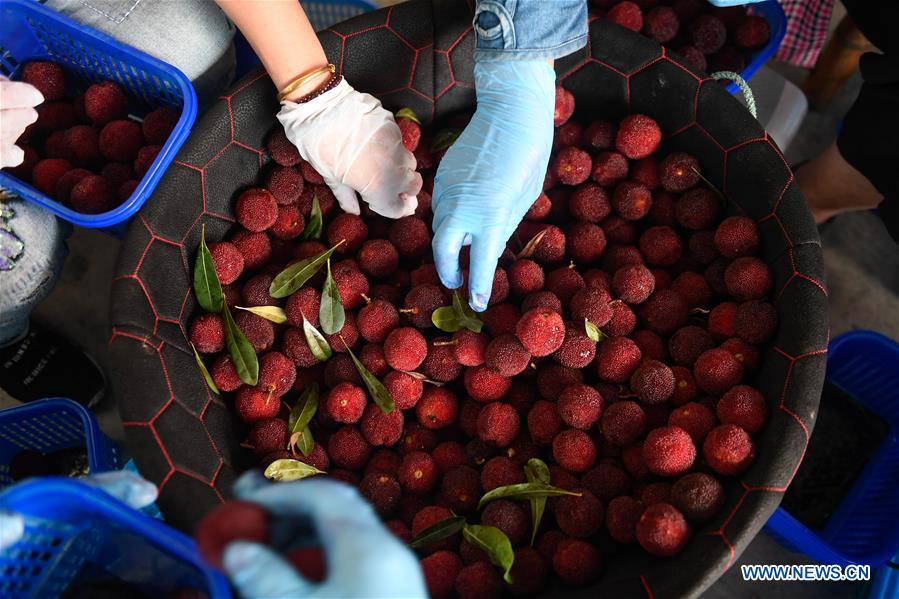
x=529, y=29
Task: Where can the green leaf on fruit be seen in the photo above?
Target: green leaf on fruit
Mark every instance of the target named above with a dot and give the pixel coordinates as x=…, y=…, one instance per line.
x=313, y=229
x=204, y=371
x=376, y=389
x=536, y=471
x=445, y=319
x=710, y=185
x=530, y=247
x=593, y=332
x=438, y=531
x=303, y=441
x=295, y=276
x=270, y=313
x=330, y=312
x=286, y=470
x=523, y=491
x=207, y=286
x=317, y=343
x=241, y=350
x=467, y=317
x=303, y=410
x=494, y=543
x=407, y=113
x=444, y=139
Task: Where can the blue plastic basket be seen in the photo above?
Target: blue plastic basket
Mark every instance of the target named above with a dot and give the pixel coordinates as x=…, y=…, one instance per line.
x=864, y=528
x=74, y=532
x=50, y=425
x=773, y=12
x=32, y=31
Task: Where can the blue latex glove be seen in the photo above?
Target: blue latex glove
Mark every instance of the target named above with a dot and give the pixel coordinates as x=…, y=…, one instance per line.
x=493, y=172
x=364, y=559
x=733, y=2
x=127, y=487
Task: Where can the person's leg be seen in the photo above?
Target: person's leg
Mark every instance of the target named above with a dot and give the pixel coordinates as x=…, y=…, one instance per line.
x=34, y=362
x=831, y=186
x=192, y=35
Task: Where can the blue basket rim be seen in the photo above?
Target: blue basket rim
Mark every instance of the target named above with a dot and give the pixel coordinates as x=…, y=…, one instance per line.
x=166, y=155
x=32, y=496
x=774, y=13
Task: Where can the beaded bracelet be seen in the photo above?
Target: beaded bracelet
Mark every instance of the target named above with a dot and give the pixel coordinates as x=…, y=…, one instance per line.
x=299, y=81
x=334, y=80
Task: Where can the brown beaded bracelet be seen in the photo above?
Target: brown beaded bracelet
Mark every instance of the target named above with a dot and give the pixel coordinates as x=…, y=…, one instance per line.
x=330, y=84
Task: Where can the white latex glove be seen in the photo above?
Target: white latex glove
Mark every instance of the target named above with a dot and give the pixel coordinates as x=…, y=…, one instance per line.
x=17, y=102
x=355, y=144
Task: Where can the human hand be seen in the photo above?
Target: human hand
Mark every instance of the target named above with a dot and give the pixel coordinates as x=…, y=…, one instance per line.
x=355, y=144
x=493, y=172
x=17, y=102
x=127, y=487
x=363, y=558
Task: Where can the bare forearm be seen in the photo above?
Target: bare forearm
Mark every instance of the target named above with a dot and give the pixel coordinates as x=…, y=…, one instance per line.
x=281, y=36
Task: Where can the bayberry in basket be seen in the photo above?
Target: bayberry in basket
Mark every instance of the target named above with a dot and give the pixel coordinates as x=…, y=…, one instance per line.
x=743, y=406
x=638, y=136
x=48, y=172
x=540, y=331
x=232, y=521
x=755, y=321
x=668, y=451
x=577, y=562
x=228, y=261
x=661, y=24
x=574, y=450
x=564, y=106
x=92, y=195
x=48, y=78
x=479, y=580
x=698, y=496
x=708, y=34
x=753, y=32
x=717, y=370
x=104, y=102
x=268, y=436
x=728, y=450
x=405, y=348
x=609, y=168
x=662, y=530
x=627, y=14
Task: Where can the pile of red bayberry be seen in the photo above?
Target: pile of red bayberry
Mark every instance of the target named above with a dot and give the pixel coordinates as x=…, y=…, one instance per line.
x=709, y=38
x=85, y=151
x=605, y=383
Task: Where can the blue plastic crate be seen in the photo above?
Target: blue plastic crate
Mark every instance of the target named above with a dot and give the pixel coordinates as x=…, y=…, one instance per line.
x=772, y=12
x=50, y=425
x=72, y=530
x=32, y=31
x=864, y=528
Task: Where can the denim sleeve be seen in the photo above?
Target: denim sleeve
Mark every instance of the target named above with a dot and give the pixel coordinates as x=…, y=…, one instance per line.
x=529, y=29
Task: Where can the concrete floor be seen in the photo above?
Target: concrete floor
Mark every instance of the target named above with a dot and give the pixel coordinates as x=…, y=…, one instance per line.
x=862, y=265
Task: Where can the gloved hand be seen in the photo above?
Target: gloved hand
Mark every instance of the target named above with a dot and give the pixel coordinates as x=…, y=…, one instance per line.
x=127, y=487
x=363, y=558
x=493, y=172
x=17, y=102
x=356, y=146
x=721, y=3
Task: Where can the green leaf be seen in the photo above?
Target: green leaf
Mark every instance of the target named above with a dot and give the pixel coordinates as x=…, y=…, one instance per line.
x=287, y=470
x=303, y=441
x=444, y=139
x=318, y=345
x=711, y=185
x=295, y=276
x=270, y=313
x=407, y=113
x=375, y=388
x=445, y=319
x=523, y=491
x=242, y=354
x=207, y=286
x=593, y=332
x=313, y=229
x=494, y=543
x=467, y=317
x=204, y=371
x=536, y=471
x=303, y=410
x=438, y=531
x=330, y=312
